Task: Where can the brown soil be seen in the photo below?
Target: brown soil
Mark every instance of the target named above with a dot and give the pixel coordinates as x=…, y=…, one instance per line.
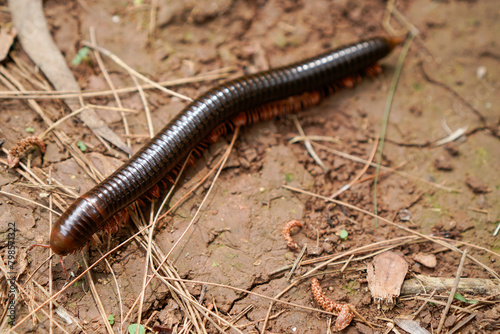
x=237, y=240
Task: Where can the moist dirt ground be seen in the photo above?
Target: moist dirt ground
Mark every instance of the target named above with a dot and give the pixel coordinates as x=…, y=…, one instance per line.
x=451, y=192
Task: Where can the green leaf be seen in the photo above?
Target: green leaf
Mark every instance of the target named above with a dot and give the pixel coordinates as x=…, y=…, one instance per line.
x=343, y=234
x=280, y=40
x=188, y=37
x=460, y=297
x=133, y=328
x=82, y=54
x=111, y=319
x=416, y=86
x=81, y=145
x=29, y=129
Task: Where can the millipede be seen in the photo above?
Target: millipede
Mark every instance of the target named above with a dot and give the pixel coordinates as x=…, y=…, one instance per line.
x=239, y=102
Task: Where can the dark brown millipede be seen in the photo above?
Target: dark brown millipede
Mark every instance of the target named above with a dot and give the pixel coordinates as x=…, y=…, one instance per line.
x=240, y=101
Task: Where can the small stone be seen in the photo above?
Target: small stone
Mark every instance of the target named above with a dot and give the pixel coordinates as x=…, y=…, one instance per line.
x=428, y=260
x=452, y=149
x=251, y=154
x=244, y=162
x=443, y=163
x=426, y=319
x=476, y=185
x=316, y=170
x=404, y=215
x=338, y=163
x=481, y=72
x=314, y=250
x=327, y=247
x=450, y=321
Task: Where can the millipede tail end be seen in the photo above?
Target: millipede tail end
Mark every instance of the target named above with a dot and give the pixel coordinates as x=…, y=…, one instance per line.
x=392, y=42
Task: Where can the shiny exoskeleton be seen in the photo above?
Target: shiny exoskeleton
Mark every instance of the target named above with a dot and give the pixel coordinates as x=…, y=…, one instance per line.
x=90, y=212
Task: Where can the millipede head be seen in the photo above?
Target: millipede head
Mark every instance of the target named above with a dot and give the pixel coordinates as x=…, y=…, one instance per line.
x=61, y=245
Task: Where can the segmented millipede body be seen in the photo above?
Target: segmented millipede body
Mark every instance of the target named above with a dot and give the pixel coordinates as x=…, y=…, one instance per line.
x=286, y=233
x=345, y=313
x=240, y=97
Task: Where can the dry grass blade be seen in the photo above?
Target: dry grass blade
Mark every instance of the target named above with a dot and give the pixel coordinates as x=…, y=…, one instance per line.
x=452, y=137
x=148, y=245
x=105, y=73
x=385, y=119
x=153, y=13
x=30, y=175
x=360, y=174
x=122, y=64
x=147, y=110
x=39, y=307
x=389, y=169
x=60, y=310
x=222, y=163
x=51, y=274
x=272, y=299
x=224, y=159
x=462, y=323
x=296, y=262
x=200, y=308
x=115, y=280
x=392, y=11
x=58, y=94
x=146, y=264
x=14, y=85
x=29, y=201
x=76, y=112
x=95, y=294
x=421, y=307
x=252, y=323
x=438, y=302
x=42, y=50
x=453, y=291
x=373, y=249
x=489, y=251
x=308, y=145
x=48, y=315
x=435, y=240
x=62, y=138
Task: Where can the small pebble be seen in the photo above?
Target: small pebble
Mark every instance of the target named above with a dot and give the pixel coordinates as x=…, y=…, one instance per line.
x=480, y=72
x=428, y=260
x=314, y=251
x=404, y=215
x=443, y=163
x=452, y=149
x=476, y=185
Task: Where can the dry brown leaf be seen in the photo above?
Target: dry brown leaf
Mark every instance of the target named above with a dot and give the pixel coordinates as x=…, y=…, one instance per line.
x=385, y=277
x=410, y=326
x=6, y=39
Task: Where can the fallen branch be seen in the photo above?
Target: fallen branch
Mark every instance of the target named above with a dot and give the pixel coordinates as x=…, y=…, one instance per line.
x=425, y=284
